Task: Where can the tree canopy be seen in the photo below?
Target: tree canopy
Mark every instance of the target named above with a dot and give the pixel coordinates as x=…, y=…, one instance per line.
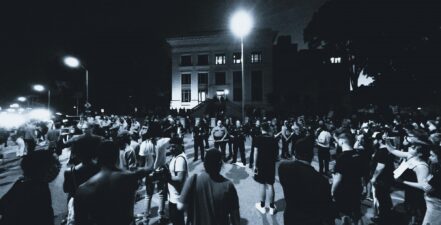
x=396, y=42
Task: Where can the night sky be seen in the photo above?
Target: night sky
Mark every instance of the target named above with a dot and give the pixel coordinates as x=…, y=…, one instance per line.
x=122, y=43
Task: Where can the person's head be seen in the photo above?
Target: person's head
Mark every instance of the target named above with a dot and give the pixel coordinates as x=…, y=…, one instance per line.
x=213, y=161
x=265, y=128
x=219, y=123
x=418, y=147
x=123, y=139
x=303, y=151
x=41, y=166
x=87, y=128
x=175, y=146
x=85, y=148
x=108, y=154
x=257, y=123
x=344, y=138
x=197, y=123
x=435, y=155
x=238, y=124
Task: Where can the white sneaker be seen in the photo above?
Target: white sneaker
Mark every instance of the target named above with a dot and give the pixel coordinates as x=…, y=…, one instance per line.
x=260, y=208
x=273, y=211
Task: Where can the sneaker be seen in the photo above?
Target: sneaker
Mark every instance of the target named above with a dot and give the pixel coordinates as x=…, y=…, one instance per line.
x=260, y=208
x=273, y=211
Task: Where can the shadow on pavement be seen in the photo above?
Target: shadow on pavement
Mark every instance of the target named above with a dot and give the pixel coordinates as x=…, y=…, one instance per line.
x=236, y=174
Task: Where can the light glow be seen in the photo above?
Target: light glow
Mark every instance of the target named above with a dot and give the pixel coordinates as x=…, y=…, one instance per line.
x=11, y=120
x=241, y=23
x=21, y=99
x=39, y=114
x=71, y=62
x=38, y=87
x=15, y=105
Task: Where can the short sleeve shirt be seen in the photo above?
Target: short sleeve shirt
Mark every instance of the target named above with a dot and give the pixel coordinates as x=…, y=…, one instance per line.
x=210, y=201
x=177, y=164
x=350, y=166
x=147, y=150
x=383, y=156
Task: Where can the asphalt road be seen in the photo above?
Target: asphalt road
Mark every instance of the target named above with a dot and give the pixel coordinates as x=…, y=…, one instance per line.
x=246, y=187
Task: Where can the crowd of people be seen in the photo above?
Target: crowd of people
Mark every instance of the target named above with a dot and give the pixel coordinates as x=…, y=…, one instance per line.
x=112, y=157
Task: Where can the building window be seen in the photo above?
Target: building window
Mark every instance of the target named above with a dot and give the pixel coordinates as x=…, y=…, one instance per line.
x=236, y=58
x=203, y=78
x=220, y=59
x=186, y=78
x=220, y=78
x=186, y=60
x=256, y=86
x=335, y=60
x=237, y=86
x=202, y=60
x=186, y=95
x=256, y=57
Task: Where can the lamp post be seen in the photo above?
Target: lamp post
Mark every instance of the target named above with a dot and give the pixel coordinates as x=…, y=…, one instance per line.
x=73, y=62
x=241, y=24
x=41, y=88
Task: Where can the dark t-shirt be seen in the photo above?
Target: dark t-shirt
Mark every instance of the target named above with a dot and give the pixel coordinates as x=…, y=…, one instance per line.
x=27, y=202
x=307, y=194
x=383, y=156
x=210, y=201
x=267, y=150
x=350, y=165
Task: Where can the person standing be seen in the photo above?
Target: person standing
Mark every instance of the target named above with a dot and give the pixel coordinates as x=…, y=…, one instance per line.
x=208, y=197
x=220, y=136
x=109, y=196
x=21, y=146
x=265, y=171
x=206, y=126
x=323, y=149
x=307, y=193
x=198, y=140
x=29, y=199
x=179, y=173
x=382, y=180
x=255, y=131
x=347, y=179
x=30, y=137
x=238, y=136
x=230, y=128
x=286, y=139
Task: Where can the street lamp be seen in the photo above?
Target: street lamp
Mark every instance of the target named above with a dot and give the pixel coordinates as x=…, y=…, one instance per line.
x=241, y=24
x=41, y=88
x=73, y=62
x=21, y=99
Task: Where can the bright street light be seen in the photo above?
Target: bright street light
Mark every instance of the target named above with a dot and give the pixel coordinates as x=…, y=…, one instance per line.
x=241, y=24
x=41, y=88
x=21, y=99
x=15, y=105
x=38, y=87
x=71, y=61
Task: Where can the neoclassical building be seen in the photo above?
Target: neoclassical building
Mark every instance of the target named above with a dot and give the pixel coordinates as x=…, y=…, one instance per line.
x=209, y=66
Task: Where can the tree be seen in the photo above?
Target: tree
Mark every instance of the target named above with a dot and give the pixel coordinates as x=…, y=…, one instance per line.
x=396, y=42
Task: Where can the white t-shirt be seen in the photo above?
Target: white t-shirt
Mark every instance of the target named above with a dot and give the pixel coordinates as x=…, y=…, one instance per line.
x=177, y=164
x=161, y=150
x=147, y=150
x=324, y=139
x=21, y=150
